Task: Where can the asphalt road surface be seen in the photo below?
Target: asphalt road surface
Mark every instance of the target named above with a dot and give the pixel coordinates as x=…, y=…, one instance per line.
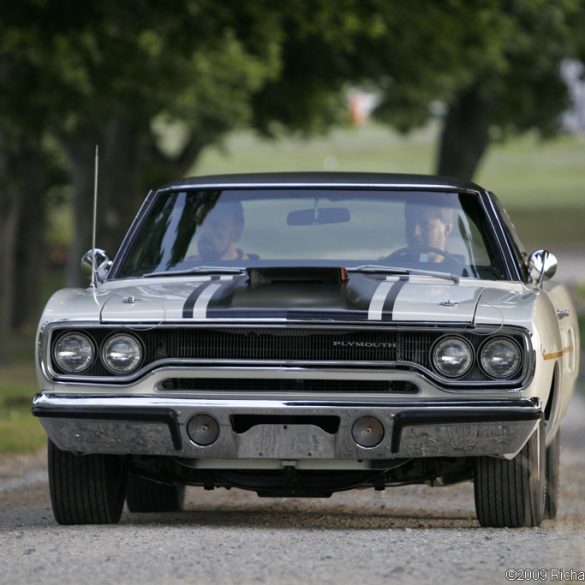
x=407, y=535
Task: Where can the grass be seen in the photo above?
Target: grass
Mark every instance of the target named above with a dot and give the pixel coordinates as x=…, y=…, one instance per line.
x=365, y=148
x=20, y=432
x=541, y=183
x=528, y=173
x=543, y=186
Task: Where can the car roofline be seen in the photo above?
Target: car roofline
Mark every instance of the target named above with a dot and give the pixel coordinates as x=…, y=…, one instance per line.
x=327, y=180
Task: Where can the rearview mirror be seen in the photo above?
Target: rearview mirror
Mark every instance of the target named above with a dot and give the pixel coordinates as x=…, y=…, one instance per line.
x=318, y=216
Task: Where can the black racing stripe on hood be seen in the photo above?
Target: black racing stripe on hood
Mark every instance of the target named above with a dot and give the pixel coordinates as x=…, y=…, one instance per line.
x=192, y=298
x=388, y=310
x=343, y=302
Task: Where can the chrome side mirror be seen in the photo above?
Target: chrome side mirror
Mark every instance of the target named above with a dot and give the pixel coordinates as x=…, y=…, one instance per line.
x=98, y=259
x=542, y=265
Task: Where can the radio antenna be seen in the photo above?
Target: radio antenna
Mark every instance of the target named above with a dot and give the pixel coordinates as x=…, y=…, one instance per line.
x=93, y=283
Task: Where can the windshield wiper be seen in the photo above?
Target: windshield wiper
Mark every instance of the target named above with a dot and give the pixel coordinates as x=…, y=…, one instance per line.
x=199, y=270
x=378, y=269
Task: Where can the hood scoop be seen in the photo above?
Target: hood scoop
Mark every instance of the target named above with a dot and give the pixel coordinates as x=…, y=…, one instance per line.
x=297, y=275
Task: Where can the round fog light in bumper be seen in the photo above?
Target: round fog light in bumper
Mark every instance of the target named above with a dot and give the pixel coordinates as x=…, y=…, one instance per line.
x=203, y=429
x=367, y=431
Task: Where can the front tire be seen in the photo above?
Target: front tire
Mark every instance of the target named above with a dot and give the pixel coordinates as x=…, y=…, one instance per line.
x=145, y=495
x=512, y=493
x=86, y=489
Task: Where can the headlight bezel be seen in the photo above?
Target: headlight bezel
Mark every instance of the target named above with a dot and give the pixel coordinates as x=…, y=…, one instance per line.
x=106, y=363
x=444, y=339
x=58, y=362
x=512, y=373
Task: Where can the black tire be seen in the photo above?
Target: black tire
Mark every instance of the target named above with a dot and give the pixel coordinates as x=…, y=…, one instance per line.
x=511, y=493
x=86, y=489
x=145, y=495
x=553, y=452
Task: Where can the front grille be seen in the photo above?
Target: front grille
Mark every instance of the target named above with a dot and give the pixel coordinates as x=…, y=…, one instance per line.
x=394, y=347
x=290, y=345
x=296, y=385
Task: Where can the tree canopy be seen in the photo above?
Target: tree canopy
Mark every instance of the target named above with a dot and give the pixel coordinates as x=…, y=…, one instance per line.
x=494, y=64
x=122, y=74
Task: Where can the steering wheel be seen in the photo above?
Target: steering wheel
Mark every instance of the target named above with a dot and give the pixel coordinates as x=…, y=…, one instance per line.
x=409, y=252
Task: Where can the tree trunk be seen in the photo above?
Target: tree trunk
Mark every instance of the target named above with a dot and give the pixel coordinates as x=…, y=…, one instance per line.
x=119, y=193
x=9, y=213
x=80, y=156
x=30, y=249
x=122, y=189
x=129, y=160
x=465, y=136
x=22, y=230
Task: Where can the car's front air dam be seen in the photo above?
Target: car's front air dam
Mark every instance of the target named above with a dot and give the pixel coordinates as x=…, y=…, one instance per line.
x=319, y=429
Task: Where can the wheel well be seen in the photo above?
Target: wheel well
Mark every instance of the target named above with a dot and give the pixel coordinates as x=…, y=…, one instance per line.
x=552, y=396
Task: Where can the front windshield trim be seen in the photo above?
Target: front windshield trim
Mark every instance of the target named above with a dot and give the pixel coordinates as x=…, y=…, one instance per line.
x=317, y=185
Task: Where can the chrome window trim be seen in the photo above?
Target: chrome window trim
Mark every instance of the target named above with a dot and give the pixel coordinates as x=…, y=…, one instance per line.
x=327, y=185
x=501, y=238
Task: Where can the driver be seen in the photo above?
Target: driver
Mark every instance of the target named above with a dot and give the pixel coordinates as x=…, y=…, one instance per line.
x=427, y=230
x=222, y=227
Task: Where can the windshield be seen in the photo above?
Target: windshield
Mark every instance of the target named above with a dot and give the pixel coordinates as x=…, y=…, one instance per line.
x=189, y=229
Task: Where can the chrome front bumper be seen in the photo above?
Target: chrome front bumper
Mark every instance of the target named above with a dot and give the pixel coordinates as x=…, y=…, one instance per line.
x=153, y=425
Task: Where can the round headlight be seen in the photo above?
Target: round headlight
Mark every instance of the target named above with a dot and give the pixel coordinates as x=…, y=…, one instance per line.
x=500, y=358
x=452, y=357
x=74, y=352
x=122, y=354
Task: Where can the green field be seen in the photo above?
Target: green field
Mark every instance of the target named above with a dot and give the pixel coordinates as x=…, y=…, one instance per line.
x=541, y=183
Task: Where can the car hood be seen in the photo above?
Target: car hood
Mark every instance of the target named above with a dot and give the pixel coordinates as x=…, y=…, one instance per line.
x=360, y=297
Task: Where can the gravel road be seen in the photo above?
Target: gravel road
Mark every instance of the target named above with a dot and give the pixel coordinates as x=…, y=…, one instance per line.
x=404, y=535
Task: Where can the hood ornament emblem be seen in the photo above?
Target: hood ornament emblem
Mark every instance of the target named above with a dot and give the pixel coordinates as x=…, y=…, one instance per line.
x=448, y=303
x=130, y=300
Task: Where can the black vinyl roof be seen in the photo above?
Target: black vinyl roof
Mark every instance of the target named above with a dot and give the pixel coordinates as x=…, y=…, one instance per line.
x=323, y=178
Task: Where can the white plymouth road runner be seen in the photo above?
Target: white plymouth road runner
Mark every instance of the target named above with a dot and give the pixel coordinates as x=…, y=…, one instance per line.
x=302, y=334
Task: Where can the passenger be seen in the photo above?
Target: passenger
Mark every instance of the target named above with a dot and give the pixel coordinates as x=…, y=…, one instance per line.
x=219, y=232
